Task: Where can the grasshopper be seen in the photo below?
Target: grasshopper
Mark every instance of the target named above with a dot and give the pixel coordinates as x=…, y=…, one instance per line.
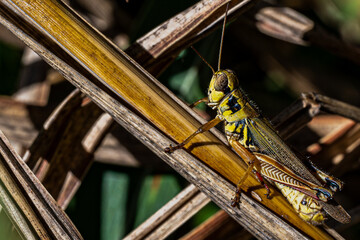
x=252, y=136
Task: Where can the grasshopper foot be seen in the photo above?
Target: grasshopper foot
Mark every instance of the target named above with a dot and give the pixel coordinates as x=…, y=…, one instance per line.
x=267, y=195
x=171, y=149
x=236, y=200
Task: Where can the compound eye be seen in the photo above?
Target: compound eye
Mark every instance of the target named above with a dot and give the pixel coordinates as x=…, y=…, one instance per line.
x=221, y=83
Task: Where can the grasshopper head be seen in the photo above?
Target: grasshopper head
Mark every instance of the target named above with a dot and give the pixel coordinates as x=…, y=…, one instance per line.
x=222, y=83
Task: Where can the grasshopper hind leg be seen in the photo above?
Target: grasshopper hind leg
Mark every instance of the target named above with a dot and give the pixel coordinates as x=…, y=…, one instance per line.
x=261, y=180
x=250, y=159
x=235, y=201
x=330, y=182
x=251, y=165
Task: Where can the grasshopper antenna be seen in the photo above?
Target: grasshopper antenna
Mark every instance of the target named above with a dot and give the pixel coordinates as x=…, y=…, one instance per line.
x=212, y=69
x=222, y=35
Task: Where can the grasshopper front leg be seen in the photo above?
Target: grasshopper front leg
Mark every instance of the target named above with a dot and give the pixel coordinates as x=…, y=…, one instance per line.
x=207, y=126
x=203, y=100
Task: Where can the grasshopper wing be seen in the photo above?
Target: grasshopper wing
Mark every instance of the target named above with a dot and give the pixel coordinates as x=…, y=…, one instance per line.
x=270, y=143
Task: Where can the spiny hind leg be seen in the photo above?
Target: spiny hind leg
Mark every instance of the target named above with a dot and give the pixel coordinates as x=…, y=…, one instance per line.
x=251, y=160
x=235, y=201
x=331, y=182
x=261, y=180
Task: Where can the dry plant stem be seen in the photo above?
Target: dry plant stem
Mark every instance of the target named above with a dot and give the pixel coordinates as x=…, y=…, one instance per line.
x=294, y=117
x=201, y=175
x=145, y=46
x=329, y=128
x=140, y=232
x=49, y=158
x=181, y=162
x=291, y=26
x=171, y=216
x=165, y=41
x=47, y=219
x=248, y=214
x=283, y=23
x=346, y=145
x=310, y=114
x=218, y=226
x=122, y=76
x=20, y=129
x=62, y=159
x=63, y=152
x=47, y=137
x=207, y=228
x=333, y=233
x=165, y=223
x=309, y=105
x=334, y=106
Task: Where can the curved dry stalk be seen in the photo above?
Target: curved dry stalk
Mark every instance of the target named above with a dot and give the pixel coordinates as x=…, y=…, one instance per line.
x=61, y=159
x=43, y=216
x=172, y=215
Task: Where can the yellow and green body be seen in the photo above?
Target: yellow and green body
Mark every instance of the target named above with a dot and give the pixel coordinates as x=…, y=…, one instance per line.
x=255, y=140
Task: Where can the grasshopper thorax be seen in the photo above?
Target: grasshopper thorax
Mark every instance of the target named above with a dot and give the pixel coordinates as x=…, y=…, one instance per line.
x=222, y=83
